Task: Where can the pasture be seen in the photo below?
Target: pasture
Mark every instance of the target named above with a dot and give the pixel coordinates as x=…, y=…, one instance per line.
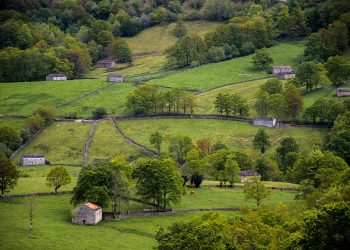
x=108, y=143
x=237, y=135
x=52, y=228
x=61, y=142
x=234, y=70
x=23, y=98
x=17, y=123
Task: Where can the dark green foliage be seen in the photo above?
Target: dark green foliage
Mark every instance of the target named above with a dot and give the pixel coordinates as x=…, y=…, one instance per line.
x=287, y=146
x=338, y=69
x=121, y=51
x=9, y=175
x=231, y=104
x=99, y=113
x=156, y=140
x=47, y=113
x=179, y=146
x=293, y=101
x=262, y=59
x=312, y=75
x=261, y=141
x=10, y=137
x=272, y=86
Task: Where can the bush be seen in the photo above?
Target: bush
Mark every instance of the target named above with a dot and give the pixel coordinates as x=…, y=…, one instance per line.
x=216, y=54
x=247, y=48
x=99, y=113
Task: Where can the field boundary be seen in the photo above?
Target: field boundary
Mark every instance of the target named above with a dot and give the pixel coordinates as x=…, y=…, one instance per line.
x=132, y=141
x=88, y=143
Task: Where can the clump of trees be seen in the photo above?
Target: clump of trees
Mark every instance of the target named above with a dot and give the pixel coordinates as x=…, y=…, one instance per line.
x=231, y=104
x=9, y=175
x=262, y=59
x=147, y=99
x=42, y=117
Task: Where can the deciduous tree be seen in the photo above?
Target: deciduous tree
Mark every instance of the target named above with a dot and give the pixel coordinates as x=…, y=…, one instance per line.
x=9, y=175
x=255, y=189
x=58, y=177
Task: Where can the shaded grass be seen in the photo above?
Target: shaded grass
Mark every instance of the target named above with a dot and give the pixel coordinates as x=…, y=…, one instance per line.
x=52, y=228
x=108, y=143
x=160, y=37
x=112, y=99
x=216, y=74
x=35, y=181
x=238, y=135
x=17, y=123
x=24, y=98
x=61, y=142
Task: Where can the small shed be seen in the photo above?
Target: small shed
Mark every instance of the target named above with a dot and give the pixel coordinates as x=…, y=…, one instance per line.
x=88, y=214
x=32, y=160
x=245, y=174
x=105, y=64
x=343, y=92
x=265, y=122
x=56, y=77
x=283, y=72
x=115, y=78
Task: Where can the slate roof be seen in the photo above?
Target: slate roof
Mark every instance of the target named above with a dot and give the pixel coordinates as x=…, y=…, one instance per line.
x=343, y=89
x=33, y=156
x=264, y=119
x=283, y=69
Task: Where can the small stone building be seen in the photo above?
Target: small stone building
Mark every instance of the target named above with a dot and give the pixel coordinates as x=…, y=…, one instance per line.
x=115, y=78
x=32, y=160
x=56, y=77
x=245, y=174
x=105, y=64
x=283, y=72
x=265, y=122
x=88, y=214
x=343, y=92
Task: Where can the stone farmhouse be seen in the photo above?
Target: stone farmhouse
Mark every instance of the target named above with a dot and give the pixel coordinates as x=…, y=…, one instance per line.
x=88, y=214
x=343, y=92
x=115, y=78
x=283, y=72
x=56, y=77
x=265, y=122
x=105, y=64
x=32, y=160
x=245, y=174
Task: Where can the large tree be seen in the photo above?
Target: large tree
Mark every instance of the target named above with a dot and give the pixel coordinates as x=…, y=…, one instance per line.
x=262, y=59
x=261, y=141
x=312, y=75
x=9, y=175
x=338, y=69
x=294, y=101
x=288, y=145
x=58, y=177
x=156, y=140
x=10, y=137
x=256, y=190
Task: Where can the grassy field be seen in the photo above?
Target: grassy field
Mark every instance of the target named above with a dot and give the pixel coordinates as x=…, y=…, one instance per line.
x=107, y=143
x=52, y=228
x=112, y=99
x=205, y=101
x=35, y=180
x=238, y=135
x=160, y=37
x=270, y=184
x=61, y=142
x=24, y=98
x=17, y=123
x=216, y=74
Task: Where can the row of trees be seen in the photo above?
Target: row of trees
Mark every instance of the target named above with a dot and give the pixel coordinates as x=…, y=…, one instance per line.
x=231, y=104
x=147, y=99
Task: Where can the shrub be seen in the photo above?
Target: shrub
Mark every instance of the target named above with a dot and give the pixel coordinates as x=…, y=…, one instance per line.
x=99, y=113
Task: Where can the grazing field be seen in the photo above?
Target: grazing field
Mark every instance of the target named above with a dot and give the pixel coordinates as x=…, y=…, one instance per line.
x=108, y=143
x=238, y=135
x=270, y=184
x=24, y=98
x=61, y=142
x=18, y=123
x=237, y=69
x=205, y=101
x=160, y=37
x=52, y=228
x=112, y=99
x=33, y=180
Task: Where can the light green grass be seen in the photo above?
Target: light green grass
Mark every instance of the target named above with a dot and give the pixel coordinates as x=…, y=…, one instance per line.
x=270, y=184
x=17, y=123
x=238, y=135
x=205, y=101
x=61, y=142
x=52, y=228
x=24, y=98
x=160, y=37
x=35, y=182
x=112, y=99
x=216, y=74
x=108, y=143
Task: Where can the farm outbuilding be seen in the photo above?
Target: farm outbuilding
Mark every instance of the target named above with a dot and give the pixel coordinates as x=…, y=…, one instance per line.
x=283, y=72
x=105, y=64
x=88, y=214
x=56, y=77
x=343, y=92
x=265, y=122
x=115, y=78
x=245, y=174
x=32, y=160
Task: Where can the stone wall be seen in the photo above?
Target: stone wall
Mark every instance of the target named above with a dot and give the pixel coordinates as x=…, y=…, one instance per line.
x=32, y=161
x=87, y=216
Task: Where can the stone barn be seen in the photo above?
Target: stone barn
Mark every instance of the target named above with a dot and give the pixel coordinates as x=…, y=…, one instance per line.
x=343, y=92
x=265, y=122
x=88, y=214
x=283, y=72
x=32, y=160
x=56, y=77
x=115, y=78
x=245, y=174
x=105, y=64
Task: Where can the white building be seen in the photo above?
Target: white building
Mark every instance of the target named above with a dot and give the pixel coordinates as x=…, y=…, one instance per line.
x=88, y=214
x=33, y=160
x=265, y=122
x=56, y=77
x=115, y=78
x=283, y=72
x=343, y=92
